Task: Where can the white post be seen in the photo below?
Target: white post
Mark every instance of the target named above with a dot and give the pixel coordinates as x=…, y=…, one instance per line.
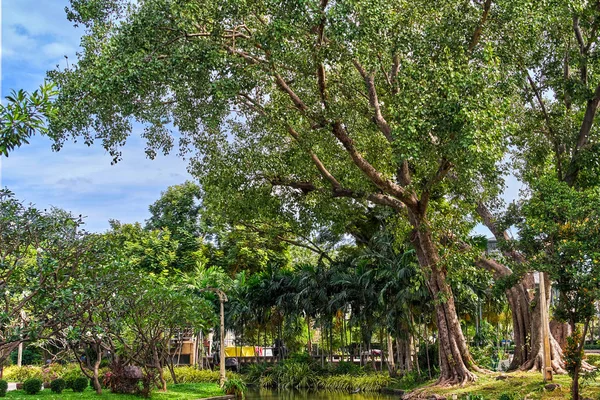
x=20, y=355
x=547, y=364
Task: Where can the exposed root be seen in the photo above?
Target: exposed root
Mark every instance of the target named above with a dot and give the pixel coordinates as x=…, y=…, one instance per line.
x=425, y=391
x=587, y=367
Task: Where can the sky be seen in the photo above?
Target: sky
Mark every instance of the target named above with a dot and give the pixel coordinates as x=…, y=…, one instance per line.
x=36, y=36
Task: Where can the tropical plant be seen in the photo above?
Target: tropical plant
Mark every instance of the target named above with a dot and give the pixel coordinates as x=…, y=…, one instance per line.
x=24, y=114
x=235, y=386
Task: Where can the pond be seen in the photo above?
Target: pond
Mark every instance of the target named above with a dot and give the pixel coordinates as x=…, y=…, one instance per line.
x=262, y=394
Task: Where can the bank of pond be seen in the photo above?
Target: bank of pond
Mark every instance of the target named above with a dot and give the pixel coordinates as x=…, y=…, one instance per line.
x=298, y=381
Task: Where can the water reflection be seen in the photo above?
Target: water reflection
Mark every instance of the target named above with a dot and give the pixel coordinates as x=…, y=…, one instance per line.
x=264, y=394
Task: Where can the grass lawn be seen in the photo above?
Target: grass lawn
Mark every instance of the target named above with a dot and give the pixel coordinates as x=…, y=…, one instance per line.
x=182, y=391
x=520, y=384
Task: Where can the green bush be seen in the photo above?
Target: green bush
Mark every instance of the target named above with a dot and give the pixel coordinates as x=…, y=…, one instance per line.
x=70, y=374
x=3, y=387
x=235, y=386
x=32, y=385
x=193, y=375
x=291, y=374
x=255, y=372
x=507, y=396
x=347, y=368
x=350, y=383
x=593, y=359
x=80, y=384
x=58, y=385
x=51, y=372
x=21, y=374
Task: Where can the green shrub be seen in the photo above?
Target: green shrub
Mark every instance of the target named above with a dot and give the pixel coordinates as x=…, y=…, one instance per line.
x=593, y=359
x=255, y=372
x=32, y=385
x=3, y=387
x=350, y=383
x=21, y=374
x=70, y=374
x=80, y=384
x=58, y=385
x=291, y=374
x=507, y=396
x=193, y=375
x=347, y=368
x=235, y=386
x=412, y=379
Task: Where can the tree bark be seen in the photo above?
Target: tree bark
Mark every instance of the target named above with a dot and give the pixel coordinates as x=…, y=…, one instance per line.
x=527, y=324
x=390, y=356
x=96, y=372
x=456, y=363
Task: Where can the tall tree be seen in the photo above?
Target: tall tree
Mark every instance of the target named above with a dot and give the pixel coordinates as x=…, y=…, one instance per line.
x=178, y=210
x=40, y=253
x=292, y=104
x=559, y=232
x=558, y=141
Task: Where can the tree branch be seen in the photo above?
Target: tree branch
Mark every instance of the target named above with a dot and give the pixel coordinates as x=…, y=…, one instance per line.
x=371, y=172
x=477, y=34
x=378, y=118
x=488, y=219
x=582, y=140
x=307, y=187
x=582, y=49
x=443, y=169
x=551, y=134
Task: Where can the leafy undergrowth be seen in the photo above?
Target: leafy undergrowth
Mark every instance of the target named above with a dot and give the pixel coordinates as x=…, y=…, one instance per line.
x=186, y=391
x=519, y=385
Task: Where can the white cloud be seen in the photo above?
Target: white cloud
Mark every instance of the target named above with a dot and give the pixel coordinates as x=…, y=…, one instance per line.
x=56, y=50
x=37, y=34
x=80, y=179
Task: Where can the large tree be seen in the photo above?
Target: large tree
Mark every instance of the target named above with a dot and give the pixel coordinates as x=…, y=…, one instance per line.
x=40, y=253
x=292, y=104
x=558, y=141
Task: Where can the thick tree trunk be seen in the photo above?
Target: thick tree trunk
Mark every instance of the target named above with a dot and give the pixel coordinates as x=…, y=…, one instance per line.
x=527, y=323
x=96, y=372
x=456, y=364
x=400, y=355
x=561, y=331
x=534, y=361
x=390, y=356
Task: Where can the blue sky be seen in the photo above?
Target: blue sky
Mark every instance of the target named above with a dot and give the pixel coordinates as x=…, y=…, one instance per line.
x=35, y=38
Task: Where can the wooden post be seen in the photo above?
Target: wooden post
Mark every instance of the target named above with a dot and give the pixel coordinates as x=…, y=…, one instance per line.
x=547, y=364
x=20, y=354
x=222, y=300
